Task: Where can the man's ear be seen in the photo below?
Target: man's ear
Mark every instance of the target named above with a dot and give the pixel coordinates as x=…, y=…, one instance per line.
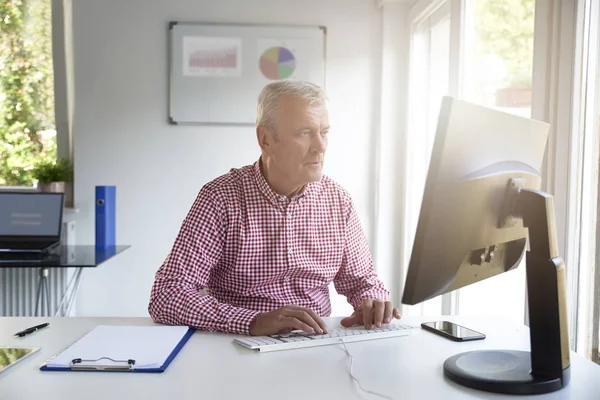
x=264, y=137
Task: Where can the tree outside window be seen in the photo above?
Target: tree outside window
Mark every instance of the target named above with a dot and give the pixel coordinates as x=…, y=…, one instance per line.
x=503, y=54
x=27, y=128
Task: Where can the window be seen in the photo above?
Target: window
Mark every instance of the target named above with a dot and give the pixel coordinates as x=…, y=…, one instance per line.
x=429, y=82
x=590, y=227
x=491, y=57
x=484, y=54
x=27, y=127
x=499, y=54
x=587, y=124
x=498, y=68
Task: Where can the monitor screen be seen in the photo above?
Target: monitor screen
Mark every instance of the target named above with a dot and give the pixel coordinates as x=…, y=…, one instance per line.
x=30, y=214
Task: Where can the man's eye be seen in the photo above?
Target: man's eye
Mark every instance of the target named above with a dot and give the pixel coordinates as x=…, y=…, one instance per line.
x=324, y=133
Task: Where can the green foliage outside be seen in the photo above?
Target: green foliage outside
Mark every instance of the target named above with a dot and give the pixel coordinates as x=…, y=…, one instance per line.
x=505, y=28
x=27, y=130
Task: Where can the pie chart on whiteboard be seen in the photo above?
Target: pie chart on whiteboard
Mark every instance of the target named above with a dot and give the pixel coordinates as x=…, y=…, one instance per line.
x=277, y=63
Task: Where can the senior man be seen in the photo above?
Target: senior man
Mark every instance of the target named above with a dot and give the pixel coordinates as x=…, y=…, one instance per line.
x=261, y=244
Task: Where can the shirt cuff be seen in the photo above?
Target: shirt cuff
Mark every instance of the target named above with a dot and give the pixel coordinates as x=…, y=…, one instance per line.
x=240, y=320
x=375, y=293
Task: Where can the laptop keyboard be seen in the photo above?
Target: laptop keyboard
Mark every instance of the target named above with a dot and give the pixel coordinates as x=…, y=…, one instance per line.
x=20, y=257
x=15, y=246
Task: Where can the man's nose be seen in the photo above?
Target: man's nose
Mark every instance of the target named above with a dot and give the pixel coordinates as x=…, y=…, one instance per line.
x=319, y=143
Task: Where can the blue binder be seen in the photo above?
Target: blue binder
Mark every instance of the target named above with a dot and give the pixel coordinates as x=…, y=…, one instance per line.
x=129, y=365
x=106, y=199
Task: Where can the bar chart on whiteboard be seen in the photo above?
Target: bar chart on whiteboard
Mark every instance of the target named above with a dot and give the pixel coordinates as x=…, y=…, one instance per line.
x=211, y=56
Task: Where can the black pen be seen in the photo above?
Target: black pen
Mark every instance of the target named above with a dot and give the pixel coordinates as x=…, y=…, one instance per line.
x=32, y=329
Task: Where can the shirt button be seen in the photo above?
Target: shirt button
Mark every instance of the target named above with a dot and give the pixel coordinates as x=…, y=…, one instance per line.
x=286, y=279
x=290, y=250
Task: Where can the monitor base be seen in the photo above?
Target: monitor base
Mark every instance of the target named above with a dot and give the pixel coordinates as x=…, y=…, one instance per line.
x=500, y=371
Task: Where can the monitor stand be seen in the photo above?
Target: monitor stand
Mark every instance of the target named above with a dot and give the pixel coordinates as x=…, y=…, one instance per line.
x=546, y=368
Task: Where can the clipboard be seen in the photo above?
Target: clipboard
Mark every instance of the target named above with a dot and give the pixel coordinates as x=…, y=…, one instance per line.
x=122, y=349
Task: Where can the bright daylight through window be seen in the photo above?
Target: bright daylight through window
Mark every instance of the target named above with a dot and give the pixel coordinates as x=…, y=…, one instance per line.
x=27, y=129
x=496, y=65
x=498, y=74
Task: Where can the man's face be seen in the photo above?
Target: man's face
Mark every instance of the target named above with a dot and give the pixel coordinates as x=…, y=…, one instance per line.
x=298, y=149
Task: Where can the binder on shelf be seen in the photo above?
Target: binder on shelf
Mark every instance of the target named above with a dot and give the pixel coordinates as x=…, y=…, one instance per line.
x=106, y=199
x=122, y=349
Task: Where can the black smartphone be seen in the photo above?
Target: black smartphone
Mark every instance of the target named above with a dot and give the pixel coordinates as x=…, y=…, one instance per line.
x=452, y=331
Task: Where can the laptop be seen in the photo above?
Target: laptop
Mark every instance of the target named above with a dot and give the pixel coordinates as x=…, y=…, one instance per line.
x=30, y=222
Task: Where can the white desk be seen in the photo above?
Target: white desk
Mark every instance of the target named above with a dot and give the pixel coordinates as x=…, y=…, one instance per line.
x=211, y=367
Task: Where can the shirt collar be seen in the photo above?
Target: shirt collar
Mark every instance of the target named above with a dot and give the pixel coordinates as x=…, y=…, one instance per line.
x=271, y=195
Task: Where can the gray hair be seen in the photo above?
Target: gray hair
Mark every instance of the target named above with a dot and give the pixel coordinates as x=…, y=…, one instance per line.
x=270, y=98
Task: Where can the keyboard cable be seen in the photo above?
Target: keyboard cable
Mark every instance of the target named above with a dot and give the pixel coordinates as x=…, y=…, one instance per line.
x=356, y=379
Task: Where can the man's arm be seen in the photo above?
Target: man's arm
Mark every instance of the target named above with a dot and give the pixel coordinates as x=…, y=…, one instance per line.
x=175, y=298
x=356, y=278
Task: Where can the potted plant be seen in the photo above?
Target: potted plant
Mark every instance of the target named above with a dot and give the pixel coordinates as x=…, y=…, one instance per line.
x=52, y=176
x=517, y=92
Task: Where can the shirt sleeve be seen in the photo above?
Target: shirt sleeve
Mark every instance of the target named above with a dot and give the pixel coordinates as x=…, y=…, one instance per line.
x=356, y=278
x=176, y=297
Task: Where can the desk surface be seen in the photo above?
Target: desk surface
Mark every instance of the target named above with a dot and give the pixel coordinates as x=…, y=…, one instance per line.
x=210, y=366
x=73, y=256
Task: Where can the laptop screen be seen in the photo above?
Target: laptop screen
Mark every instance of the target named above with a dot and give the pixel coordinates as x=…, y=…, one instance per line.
x=33, y=214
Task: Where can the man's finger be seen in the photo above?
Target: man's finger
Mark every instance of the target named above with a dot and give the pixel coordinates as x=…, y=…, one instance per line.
x=387, y=314
x=355, y=318
x=367, y=306
x=378, y=309
x=291, y=322
x=314, y=316
x=397, y=314
x=305, y=317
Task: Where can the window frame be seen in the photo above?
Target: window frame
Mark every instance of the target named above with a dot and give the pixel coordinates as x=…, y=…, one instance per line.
x=588, y=309
x=63, y=69
x=421, y=16
x=63, y=76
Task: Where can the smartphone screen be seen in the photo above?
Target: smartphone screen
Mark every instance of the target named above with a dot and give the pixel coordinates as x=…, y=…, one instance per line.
x=452, y=331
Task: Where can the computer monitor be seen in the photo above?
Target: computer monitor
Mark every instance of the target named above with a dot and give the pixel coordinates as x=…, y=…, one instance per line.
x=481, y=213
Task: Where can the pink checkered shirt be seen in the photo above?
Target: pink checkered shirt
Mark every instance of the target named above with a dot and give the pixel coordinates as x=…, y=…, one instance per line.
x=254, y=250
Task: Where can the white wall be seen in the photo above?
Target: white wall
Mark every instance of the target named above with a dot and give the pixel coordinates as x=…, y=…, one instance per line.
x=121, y=135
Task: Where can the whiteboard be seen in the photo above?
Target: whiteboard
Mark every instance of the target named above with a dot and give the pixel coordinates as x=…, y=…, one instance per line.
x=216, y=71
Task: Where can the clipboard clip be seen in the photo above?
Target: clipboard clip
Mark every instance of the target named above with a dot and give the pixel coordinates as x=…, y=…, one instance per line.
x=81, y=364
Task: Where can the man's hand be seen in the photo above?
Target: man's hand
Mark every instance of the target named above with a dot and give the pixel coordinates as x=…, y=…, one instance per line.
x=372, y=311
x=287, y=319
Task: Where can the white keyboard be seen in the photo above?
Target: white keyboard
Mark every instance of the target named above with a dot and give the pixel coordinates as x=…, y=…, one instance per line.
x=296, y=340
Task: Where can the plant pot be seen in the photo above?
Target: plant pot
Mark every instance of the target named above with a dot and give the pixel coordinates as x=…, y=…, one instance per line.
x=514, y=97
x=52, y=187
